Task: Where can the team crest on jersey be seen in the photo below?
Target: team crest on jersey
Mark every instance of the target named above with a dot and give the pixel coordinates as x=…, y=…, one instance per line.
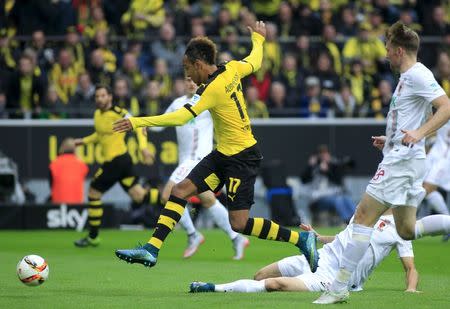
x=195, y=98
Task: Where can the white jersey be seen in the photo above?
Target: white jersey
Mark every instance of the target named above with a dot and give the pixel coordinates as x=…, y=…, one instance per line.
x=384, y=239
x=195, y=139
x=441, y=146
x=409, y=109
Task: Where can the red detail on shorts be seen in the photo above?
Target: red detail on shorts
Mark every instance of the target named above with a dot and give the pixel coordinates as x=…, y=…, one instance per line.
x=378, y=174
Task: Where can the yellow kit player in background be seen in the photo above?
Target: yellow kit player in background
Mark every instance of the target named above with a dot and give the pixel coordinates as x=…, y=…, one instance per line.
x=118, y=165
x=234, y=163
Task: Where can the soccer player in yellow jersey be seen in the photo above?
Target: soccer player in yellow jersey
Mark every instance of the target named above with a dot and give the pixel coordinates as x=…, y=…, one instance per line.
x=117, y=166
x=236, y=160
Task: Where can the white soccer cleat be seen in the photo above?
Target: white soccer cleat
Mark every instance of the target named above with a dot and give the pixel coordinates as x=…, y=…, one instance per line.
x=239, y=245
x=194, y=242
x=329, y=297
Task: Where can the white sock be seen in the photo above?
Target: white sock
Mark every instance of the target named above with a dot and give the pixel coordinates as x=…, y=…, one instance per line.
x=243, y=286
x=353, y=253
x=437, y=202
x=220, y=217
x=433, y=225
x=186, y=222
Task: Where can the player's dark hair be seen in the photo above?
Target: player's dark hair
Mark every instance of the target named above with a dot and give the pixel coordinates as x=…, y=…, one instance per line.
x=201, y=48
x=103, y=86
x=401, y=36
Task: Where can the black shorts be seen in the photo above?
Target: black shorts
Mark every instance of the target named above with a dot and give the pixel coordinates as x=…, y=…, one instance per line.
x=121, y=168
x=238, y=172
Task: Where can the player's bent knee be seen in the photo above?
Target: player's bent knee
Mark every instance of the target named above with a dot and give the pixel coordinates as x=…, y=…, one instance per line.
x=184, y=189
x=272, y=284
x=406, y=233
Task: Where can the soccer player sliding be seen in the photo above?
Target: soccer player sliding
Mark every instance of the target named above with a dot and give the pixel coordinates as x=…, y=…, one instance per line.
x=235, y=161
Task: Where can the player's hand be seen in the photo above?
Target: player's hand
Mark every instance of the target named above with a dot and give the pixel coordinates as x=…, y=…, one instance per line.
x=260, y=27
x=147, y=157
x=411, y=137
x=78, y=142
x=379, y=141
x=122, y=125
x=308, y=228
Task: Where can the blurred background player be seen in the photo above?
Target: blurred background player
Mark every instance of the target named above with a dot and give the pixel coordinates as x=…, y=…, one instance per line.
x=118, y=165
x=234, y=163
x=195, y=140
x=67, y=175
x=292, y=274
x=438, y=171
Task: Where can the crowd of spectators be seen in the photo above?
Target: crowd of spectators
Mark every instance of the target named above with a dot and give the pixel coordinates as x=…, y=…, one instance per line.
x=322, y=58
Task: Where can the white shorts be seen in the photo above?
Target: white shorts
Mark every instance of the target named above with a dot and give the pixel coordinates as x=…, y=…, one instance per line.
x=399, y=183
x=438, y=172
x=297, y=266
x=182, y=170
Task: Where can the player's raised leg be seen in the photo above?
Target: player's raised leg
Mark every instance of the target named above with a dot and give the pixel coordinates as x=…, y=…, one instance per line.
x=170, y=215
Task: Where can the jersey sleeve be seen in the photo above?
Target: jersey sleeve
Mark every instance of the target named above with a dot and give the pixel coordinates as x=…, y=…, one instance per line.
x=426, y=86
x=404, y=249
x=173, y=119
x=252, y=62
x=204, y=99
x=93, y=138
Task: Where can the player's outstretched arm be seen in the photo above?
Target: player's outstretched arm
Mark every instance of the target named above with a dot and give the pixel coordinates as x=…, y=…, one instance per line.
x=411, y=274
x=176, y=118
x=258, y=34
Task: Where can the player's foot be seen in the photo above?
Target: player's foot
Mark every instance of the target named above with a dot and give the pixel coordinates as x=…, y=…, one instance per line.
x=201, y=287
x=445, y=238
x=239, y=245
x=194, y=241
x=329, y=297
x=87, y=242
x=137, y=255
x=307, y=243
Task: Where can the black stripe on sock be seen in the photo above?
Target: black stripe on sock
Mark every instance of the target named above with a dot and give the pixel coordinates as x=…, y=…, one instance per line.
x=283, y=234
x=177, y=200
x=171, y=214
x=248, y=227
x=265, y=229
x=161, y=232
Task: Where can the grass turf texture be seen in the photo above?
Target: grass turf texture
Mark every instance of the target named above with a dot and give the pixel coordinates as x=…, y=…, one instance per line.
x=95, y=278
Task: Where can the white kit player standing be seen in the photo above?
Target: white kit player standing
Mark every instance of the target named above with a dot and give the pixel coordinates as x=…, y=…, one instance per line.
x=294, y=275
x=397, y=184
x=438, y=170
x=195, y=140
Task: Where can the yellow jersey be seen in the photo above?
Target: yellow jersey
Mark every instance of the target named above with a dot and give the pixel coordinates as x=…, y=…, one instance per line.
x=222, y=96
x=113, y=144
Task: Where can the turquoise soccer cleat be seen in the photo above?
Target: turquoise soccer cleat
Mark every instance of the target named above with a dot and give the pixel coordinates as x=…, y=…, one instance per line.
x=201, y=287
x=137, y=255
x=307, y=243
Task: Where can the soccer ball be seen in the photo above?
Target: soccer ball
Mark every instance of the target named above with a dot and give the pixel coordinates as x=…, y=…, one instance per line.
x=32, y=270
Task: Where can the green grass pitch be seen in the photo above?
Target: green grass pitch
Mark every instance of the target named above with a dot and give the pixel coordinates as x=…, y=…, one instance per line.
x=95, y=278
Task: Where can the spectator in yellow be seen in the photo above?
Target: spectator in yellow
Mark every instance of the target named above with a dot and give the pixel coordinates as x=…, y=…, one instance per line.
x=101, y=43
x=328, y=43
x=152, y=103
x=97, y=22
x=255, y=107
x=124, y=98
x=272, y=48
x=142, y=15
x=366, y=47
x=132, y=72
x=361, y=86
x=73, y=44
x=64, y=76
x=234, y=7
x=442, y=71
x=163, y=77
x=379, y=107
